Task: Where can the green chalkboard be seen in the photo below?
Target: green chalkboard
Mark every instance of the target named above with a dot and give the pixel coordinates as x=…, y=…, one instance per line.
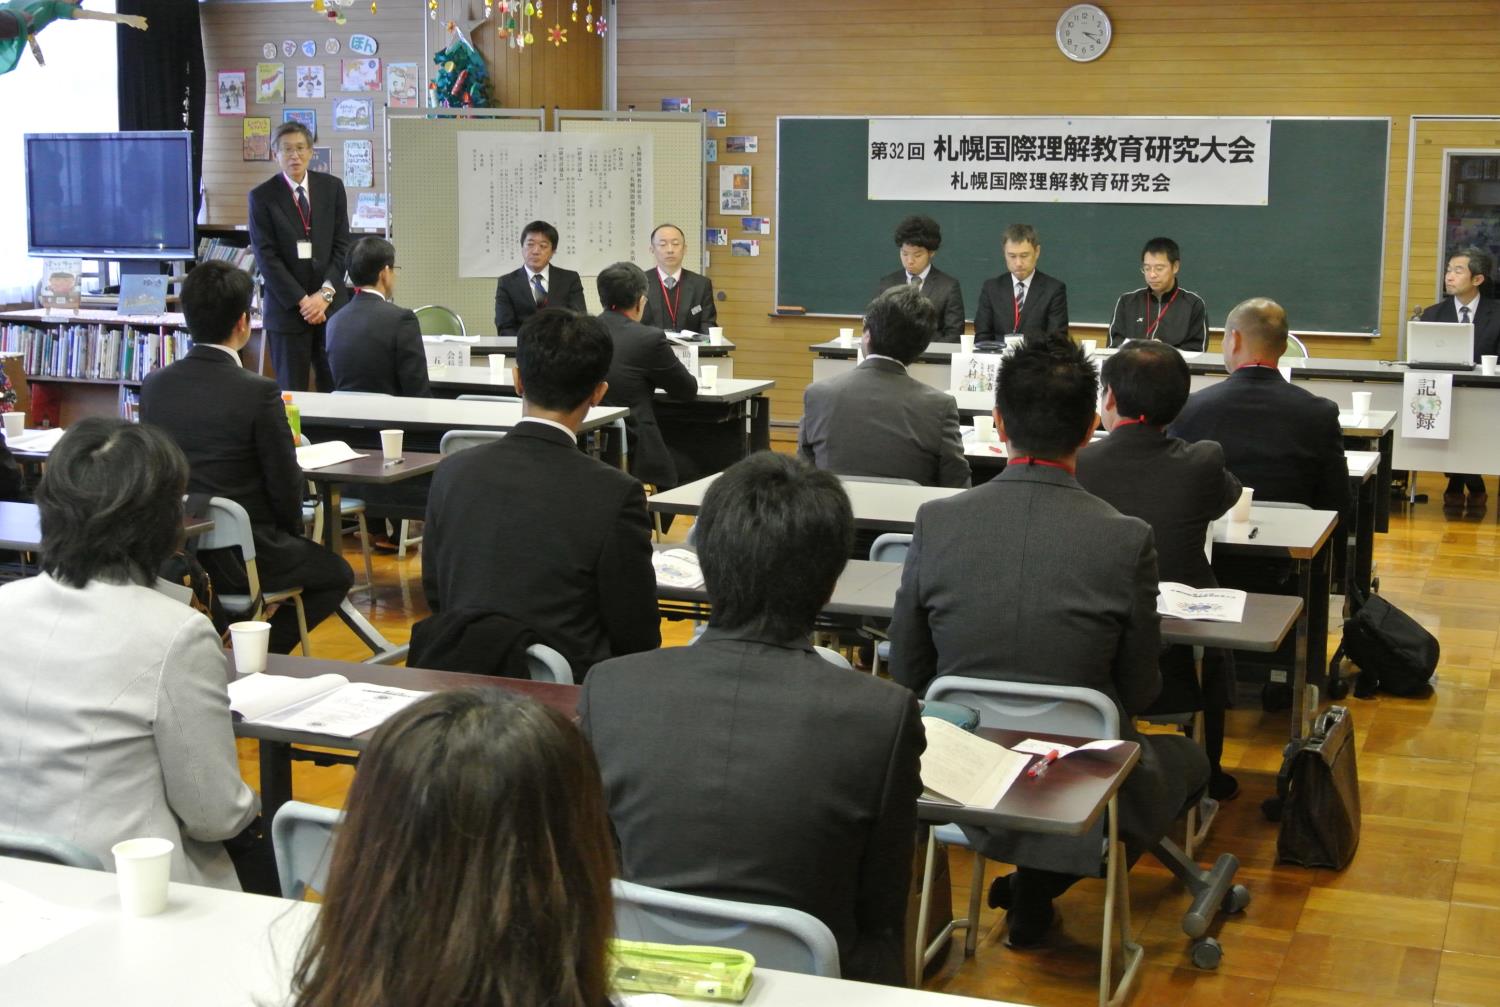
x=1316, y=247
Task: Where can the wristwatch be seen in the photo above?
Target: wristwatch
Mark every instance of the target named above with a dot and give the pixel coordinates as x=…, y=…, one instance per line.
x=327, y=295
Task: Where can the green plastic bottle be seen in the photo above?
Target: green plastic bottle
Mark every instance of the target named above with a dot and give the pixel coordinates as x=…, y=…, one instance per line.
x=293, y=417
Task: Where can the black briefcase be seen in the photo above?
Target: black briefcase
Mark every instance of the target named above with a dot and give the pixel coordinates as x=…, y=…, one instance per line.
x=1319, y=789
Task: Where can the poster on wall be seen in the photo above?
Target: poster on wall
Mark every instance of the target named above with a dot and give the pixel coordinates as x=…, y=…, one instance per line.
x=353, y=115
x=231, y=92
x=310, y=81
x=255, y=138
x=270, y=83
x=360, y=75
x=359, y=164
x=734, y=188
x=307, y=116
x=401, y=82
x=322, y=159
x=369, y=212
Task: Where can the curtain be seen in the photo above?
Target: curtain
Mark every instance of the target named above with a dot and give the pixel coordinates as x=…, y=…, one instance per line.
x=160, y=73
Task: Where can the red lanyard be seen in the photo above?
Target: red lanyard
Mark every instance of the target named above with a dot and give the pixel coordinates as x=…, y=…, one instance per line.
x=1122, y=422
x=1028, y=460
x=666, y=298
x=306, y=222
x=1152, y=327
x=1268, y=365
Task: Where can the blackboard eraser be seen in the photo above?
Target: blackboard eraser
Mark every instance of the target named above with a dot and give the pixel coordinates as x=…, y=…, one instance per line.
x=790, y=309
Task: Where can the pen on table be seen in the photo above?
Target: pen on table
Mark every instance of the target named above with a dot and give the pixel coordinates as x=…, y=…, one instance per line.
x=398, y=461
x=1255, y=531
x=1040, y=768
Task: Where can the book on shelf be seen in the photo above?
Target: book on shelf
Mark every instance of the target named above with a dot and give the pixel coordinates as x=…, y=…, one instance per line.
x=62, y=284
x=142, y=294
x=95, y=352
x=223, y=251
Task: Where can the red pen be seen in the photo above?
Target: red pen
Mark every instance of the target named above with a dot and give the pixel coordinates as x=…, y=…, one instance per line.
x=1039, y=769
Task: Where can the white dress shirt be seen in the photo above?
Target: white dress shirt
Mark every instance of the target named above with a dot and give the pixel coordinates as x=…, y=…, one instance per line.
x=233, y=353
x=551, y=423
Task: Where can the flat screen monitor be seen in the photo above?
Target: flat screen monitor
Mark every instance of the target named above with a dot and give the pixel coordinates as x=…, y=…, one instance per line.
x=110, y=195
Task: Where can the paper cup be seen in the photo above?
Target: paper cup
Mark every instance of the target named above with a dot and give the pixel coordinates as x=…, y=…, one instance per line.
x=984, y=429
x=846, y=337
x=966, y=342
x=1487, y=364
x=1362, y=403
x=497, y=368
x=250, y=642
x=1240, y=513
x=715, y=335
x=142, y=867
x=1090, y=346
x=708, y=377
x=1014, y=342
x=15, y=423
x=390, y=444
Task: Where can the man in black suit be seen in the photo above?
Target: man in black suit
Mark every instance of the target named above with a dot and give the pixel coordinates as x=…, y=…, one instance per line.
x=572, y=558
x=299, y=228
x=677, y=299
x=643, y=362
x=747, y=767
x=232, y=426
x=374, y=345
x=1467, y=282
x=1028, y=578
x=1161, y=309
x=878, y=420
x=1023, y=300
x=537, y=284
x=1179, y=489
x=919, y=238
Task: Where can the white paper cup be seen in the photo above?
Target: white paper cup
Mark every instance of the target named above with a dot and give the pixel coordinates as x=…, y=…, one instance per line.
x=143, y=867
x=1089, y=345
x=1240, y=512
x=966, y=342
x=497, y=368
x=15, y=424
x=390, y=444
x=1487, y=364
x=984, y=429
x=250, y=641
x=1362, y=402
x=846, y=337
x=1014, y=342
x=715, y=335
x=708, y=377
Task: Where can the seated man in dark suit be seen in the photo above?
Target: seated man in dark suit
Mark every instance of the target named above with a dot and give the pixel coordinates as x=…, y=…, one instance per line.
x=1022, y=300
x=919, y=238
x=1466, y=281
x=374, y=345
x=677, y=299
x=231, y=424
x=878, y=420
x=537, y=284
x=572, y=557
x=747, y=767
x=643, y=362
x=1028, y=578
x=1179, y=489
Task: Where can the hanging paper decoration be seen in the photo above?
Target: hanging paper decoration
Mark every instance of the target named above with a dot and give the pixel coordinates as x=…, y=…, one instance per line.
x=575, y=10
x=599, y=26
x=588, y=18
x=462, y=81
x=557, y=35
x=432, y=9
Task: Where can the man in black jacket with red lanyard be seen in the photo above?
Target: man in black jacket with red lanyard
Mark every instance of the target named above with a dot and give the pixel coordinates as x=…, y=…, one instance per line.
x=1161, y=309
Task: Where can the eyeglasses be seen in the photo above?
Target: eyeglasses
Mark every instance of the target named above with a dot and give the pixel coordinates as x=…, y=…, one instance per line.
x=300, y=149
x=1155, y=270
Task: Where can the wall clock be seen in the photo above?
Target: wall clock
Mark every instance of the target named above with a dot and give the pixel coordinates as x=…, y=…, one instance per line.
x=1083, y=32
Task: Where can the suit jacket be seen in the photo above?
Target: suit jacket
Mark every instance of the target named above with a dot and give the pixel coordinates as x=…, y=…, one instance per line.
x=1028, y=578
x=1178, y=488
x=748, y=769
x=644, y=362
x=1486, y=321
x=1280, y=439
x=1179, y=318
x=692, y=298
x=1045, y=312
x=944, y=293
x=275, y=229
x=116, y=724
x=877, y=420
x=571, y=560
x=11, y=483
x=376, y=346
x=514, y=301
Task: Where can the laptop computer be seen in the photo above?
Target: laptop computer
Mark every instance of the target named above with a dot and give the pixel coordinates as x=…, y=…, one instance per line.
x=1440, y=346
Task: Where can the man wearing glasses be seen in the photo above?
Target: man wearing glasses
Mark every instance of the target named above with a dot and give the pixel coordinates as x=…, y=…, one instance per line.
x=1161, y=309
x=299, y=228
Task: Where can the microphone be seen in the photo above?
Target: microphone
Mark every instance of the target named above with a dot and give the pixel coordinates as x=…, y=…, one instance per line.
x=1416, y=313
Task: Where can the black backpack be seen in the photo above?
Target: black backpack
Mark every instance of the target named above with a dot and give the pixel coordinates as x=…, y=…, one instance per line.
x=1392, y=650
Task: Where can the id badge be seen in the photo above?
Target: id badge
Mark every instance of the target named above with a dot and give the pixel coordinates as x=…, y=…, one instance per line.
x=304, y=249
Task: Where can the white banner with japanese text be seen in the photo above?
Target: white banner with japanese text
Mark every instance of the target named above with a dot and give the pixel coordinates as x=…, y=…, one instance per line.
x=1224, y=161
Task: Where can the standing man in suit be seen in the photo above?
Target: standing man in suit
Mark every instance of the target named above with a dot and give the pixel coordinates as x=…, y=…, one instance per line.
x=643, y=362
x=572, y=559
x=1161, y=309
x=1023, y=300
x=878, y=420
x=1179, y=489
x=374, y=345
x=919, y=238
x=1074, y=604
x=537, y=284
x=299, y=228
x=1467, y=282
x=677, y=299
x=747, y=767
x=231, y=424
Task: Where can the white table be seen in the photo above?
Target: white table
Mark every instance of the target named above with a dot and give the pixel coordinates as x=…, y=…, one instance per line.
x=718, y=352
x=212, y=948
x=877, y=506
x=480, y=381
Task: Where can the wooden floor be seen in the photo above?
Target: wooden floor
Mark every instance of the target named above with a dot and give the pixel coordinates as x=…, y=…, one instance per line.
x=1414, y=920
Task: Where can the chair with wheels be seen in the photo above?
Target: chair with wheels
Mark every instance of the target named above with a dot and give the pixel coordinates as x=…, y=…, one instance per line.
x=436, y=320
x=231, y=530
x=46, y=850
x=547, y=665
x=301, y=837
x=455, y=441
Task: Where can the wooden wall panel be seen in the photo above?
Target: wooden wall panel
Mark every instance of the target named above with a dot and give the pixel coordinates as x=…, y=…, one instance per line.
x=1429, y=203
x=567, y=76
x=993, y=57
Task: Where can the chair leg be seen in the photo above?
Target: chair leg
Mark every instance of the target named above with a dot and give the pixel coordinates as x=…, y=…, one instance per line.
x=364, y=546
x=1117, y=912
x=976, y=885
x=302, y=625
x=924, y=905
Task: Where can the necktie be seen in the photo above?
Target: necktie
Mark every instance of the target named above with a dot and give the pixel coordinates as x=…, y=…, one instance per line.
x=538, y=291
x=1463, y=313
x=1020, y=296
x=915, y=281
x=302, y=206
x=669, y=282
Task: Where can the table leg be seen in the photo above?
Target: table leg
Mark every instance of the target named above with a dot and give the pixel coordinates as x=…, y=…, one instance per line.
x=275, y=776
x=333, y=520
x=1386, y=446
x=1369, y=500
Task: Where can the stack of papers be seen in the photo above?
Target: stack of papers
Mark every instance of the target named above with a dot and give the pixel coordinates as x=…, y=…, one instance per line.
x=678, y=568
x=325, y=704
x=1214, y=604
x=320, y=456
x=37, y=441
x=450, y=339
x=29, y=923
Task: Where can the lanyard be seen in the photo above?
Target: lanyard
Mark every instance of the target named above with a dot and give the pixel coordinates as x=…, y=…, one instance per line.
x=666, y=298
x=1028, y=460
x=1152, y=327
x=1267, y=364
x=1123, y=422
x=306, y=221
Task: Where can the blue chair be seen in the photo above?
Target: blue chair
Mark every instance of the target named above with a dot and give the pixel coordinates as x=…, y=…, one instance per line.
x=779, y=938
x=231, y=530
x=47, y=850
x=547, y=665
x=890, y=547
x=455, y=441
x=301, y=836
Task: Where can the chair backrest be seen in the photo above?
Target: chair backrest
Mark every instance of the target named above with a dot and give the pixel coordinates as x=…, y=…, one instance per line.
x=47, y=850
x=833, y=657
x=512, y=399
x=547, y=665
x=1282, y=504
x=779, y=938
x=890, y=547
x=1026, y=706
x=345, y=391
x=436, y=320
x=1296, y=349
x=231, y=528
x=301, y=837
x=455, y=441
x=879, y=479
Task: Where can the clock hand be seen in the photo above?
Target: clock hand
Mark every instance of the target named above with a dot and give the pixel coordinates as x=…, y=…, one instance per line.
x=1089, y=34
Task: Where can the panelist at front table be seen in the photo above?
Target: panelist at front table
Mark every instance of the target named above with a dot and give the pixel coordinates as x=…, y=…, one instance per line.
x=537, y=284
x=677, y=299
x=919, y=238
x=1023, y=300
